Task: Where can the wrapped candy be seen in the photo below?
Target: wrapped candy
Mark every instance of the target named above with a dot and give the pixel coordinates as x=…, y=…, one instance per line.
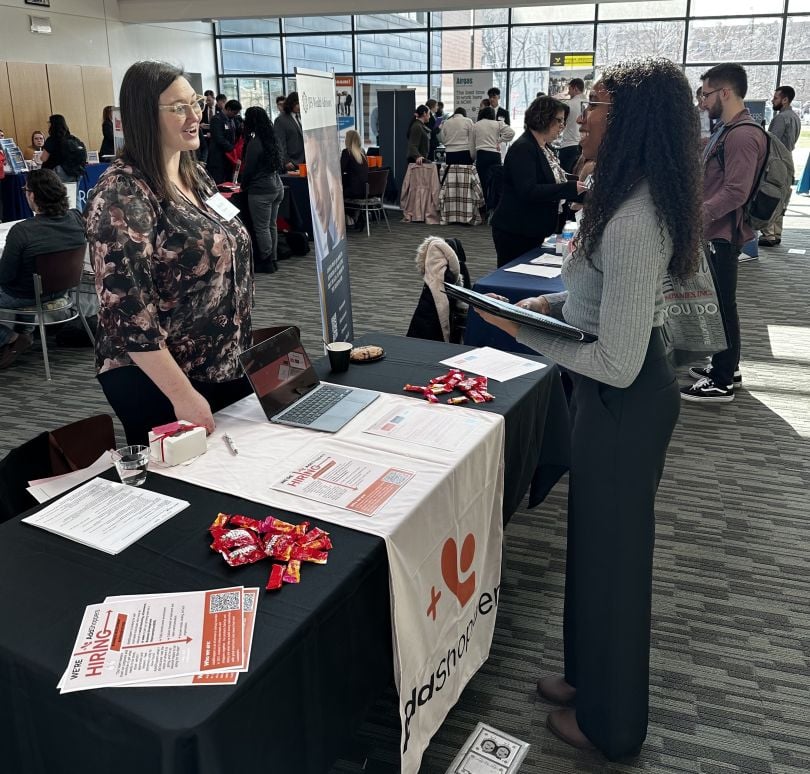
x=276, y=577
x=458, y=401
x=292, y=573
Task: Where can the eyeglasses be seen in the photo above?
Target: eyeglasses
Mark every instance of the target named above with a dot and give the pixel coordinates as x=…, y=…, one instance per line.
x=590, y=105
x=706, y=94
x=192, y=109
x=560, y=121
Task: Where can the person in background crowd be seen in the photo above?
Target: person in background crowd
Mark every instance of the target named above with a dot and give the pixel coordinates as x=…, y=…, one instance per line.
x=487, y=135
x=280, y=100
x=223, y=140
x=569, y=141
x=53, y=228
x=419, y=136
x=220, y=102
x=786, y=126
x=173, y=275
x=534, y=183
x=726, y=188
x=494, y=95
x=55, y=153
x=434, y=132
x=703, y=118
x=107, y=133
x=260, y=179
x=642, y=220
x=485, y=103
x=209, y=110
x=290, y=134
x=348, y=103
x=540, y=94
x=37, y=143
x=354, y=173
x=457, y=136
x=441, y=116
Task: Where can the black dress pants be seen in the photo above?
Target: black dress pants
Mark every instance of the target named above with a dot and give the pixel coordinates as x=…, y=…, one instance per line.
x=485, y=162
x=140, y=405
x=724, y=267
x=509, y=246
x=619, y=444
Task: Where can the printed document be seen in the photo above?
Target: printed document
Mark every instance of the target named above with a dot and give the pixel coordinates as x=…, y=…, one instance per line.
x=547, y=259
x=536, y=271
x=106, y=515
x=356, y=485
x=494, y=364
x=146, y=638
x=44, y=489
x=432, y=426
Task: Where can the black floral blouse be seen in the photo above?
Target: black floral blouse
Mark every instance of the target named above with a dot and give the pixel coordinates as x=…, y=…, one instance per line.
x=173, y=276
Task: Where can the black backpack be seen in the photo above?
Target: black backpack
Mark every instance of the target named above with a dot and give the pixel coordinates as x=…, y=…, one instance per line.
x=74, y=156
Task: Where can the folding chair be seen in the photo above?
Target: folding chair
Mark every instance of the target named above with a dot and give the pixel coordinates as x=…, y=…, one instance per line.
x=55, y=273
x=373, y=201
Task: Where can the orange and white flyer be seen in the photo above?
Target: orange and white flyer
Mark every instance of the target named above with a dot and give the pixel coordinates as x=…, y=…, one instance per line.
x=250, y=599
x=356, y=485
x=149, y=638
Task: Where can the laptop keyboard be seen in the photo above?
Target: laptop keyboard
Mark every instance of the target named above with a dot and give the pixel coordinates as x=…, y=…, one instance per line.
x=314, y=406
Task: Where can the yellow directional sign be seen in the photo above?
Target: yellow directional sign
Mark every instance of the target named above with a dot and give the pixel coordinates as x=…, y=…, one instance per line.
x=576, y=59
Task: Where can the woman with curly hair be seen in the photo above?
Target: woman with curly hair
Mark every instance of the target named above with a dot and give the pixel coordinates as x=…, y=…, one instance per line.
x=260, y=178
x=642, y=218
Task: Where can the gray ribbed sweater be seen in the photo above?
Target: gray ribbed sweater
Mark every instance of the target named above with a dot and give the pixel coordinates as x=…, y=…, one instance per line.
x=617, y=295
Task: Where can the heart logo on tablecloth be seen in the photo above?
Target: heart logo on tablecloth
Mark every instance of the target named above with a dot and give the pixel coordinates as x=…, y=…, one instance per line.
x=452, y=562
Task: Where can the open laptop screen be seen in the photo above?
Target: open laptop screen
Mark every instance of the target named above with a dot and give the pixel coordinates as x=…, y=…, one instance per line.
x=279, y=371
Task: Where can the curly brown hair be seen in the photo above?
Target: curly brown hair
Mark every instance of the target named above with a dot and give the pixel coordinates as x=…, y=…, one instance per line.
x=542, y=112
x=652, y=133
x=49, y=192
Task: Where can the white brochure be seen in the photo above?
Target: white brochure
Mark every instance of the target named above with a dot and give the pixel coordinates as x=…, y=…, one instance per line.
x=353, y=484
x=106, y=515
x=549, y=272
x=147, y=638
x=494, y=364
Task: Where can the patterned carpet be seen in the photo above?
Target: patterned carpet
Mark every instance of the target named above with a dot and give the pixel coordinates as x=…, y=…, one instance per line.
x=730, y=679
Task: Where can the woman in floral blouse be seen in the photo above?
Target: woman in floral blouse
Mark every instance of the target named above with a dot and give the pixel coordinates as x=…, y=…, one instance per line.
x=173, y=274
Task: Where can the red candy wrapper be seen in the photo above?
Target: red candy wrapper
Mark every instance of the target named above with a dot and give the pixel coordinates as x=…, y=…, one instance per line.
x=276, y=577
x=279, y=547
x=276, y=526
x=292, y=573
x=220, y=522
x=245, y=521
x=235, y=538
x=304, y=554
x=431, y=398
x=460, y=400
x=243, y=555
x=476, y=397
x=413, y=388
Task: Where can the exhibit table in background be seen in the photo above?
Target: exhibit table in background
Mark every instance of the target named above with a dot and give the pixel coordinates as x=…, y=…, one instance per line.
x=15, y=206
x=514, y=286
x=321, y=651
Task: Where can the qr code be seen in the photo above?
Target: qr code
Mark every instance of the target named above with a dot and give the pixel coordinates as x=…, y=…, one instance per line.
x=225, y=602
x=249, y=601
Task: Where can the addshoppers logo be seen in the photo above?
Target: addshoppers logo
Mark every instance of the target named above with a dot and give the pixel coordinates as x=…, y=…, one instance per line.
x=455, y=566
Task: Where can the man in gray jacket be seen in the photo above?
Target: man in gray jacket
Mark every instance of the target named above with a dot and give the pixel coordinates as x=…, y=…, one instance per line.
x=289, y=134
x=785, y=126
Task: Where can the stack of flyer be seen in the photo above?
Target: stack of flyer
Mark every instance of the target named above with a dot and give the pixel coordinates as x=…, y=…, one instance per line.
x=157, y=640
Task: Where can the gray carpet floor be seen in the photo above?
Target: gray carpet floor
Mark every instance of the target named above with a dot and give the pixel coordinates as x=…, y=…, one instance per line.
x=730, y=679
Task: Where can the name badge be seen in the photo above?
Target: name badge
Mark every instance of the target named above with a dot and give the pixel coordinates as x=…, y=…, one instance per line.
x=219, y=204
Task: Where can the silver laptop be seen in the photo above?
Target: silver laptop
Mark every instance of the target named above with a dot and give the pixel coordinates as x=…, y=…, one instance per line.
x=289, y=390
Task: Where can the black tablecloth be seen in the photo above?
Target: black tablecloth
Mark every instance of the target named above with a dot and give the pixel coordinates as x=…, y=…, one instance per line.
x=536, y=445
x=514, y=286
x=321, y=651
x=299, y=194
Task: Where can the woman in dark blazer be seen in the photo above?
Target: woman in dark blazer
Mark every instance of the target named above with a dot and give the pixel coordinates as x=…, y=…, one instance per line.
x=108, y=143
x=419, y=136
x=534, y=184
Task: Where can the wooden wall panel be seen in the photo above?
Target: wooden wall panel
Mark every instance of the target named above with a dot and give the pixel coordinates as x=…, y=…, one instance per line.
x=6, y=110
x=30, y=99
x=98, y=93
x=67, y=97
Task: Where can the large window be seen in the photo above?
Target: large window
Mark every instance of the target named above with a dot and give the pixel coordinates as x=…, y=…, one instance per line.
x=421, y=50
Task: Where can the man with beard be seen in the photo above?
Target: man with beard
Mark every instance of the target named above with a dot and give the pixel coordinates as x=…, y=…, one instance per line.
x=732, y=159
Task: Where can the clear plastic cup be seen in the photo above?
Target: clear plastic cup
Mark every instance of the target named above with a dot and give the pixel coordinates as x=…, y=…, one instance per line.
x=131, y=463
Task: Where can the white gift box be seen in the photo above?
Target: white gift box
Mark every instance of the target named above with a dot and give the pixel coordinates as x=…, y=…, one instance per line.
x=173, y=445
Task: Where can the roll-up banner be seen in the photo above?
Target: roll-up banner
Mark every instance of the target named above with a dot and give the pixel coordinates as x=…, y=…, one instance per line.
x=317, y=94
x=469, y=88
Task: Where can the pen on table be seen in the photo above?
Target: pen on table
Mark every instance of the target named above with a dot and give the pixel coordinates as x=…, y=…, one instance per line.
x=231, y=444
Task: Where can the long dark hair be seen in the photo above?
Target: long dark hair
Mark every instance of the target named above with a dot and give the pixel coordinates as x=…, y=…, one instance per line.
x=420, y=111
x=58, y=128
x=141, y=88
x=257, y=123
x=651, y=102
